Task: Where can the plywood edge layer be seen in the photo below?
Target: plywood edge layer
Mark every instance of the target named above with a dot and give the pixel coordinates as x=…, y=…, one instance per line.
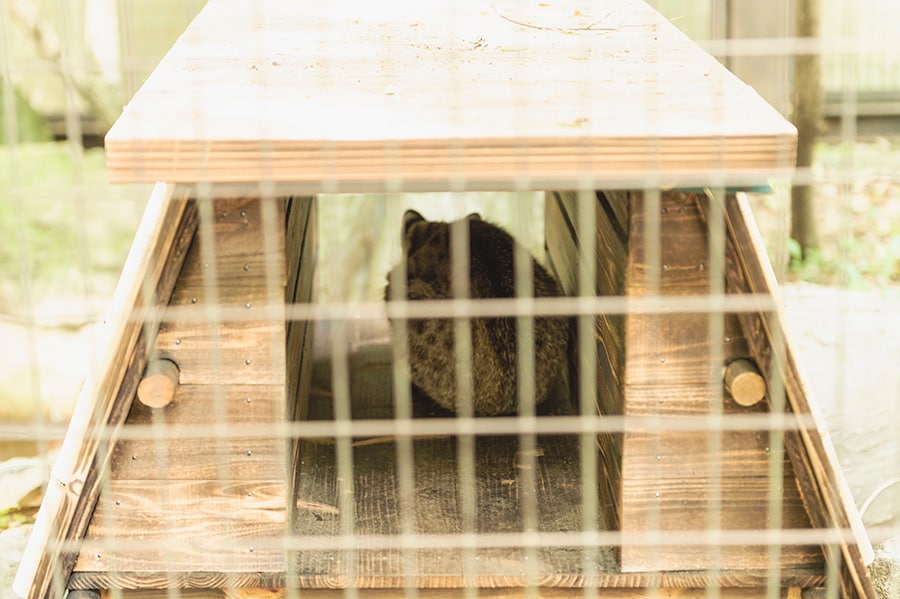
x=568, y=162
x=544, y=592
x=671, y=583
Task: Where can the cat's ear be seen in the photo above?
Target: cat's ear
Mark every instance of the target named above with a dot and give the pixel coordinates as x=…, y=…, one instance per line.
x=411, y=217
x=474, y=216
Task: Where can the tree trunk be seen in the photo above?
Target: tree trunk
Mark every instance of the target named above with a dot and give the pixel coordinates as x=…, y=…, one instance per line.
x=808, y=100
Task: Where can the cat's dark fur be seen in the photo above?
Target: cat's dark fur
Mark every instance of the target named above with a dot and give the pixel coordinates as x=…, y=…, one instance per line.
x=431, y=347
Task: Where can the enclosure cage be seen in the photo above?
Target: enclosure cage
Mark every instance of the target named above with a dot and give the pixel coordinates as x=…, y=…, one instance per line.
x=259, y=420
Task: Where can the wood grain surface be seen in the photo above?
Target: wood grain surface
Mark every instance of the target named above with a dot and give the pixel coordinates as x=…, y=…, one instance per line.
x=189, y=490
x=425, y=95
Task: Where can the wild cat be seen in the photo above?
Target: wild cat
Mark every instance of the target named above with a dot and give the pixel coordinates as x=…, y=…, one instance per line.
x=430, y=342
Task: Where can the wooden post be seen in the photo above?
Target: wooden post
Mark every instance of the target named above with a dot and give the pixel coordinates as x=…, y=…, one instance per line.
x=157, y=388
x=744, y=382
x=808, y=119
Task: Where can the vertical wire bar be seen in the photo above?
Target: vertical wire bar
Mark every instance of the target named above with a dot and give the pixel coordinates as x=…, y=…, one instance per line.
x=407, y=490
x=587, y=259
x=526, y=460
x=213, y=319
x=340, y=381
x=778, y=404
x=403, y=413
x=849, y=71
x=273, y=216
x=716, y=332
x=462, y=337
x=652, y=206
x=405, y=448
x=455, y=27
x=68, y=74
x=127, y=38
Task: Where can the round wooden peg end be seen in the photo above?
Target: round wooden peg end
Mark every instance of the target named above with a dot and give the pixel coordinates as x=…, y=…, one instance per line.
x=744, y=382
x=157, y=388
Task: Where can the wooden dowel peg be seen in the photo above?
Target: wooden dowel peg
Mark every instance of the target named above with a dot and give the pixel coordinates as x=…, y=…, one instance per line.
x=744, y=382
x=157, y=388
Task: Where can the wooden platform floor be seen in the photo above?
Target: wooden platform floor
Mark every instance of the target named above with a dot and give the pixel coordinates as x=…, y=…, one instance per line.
x=432, y=505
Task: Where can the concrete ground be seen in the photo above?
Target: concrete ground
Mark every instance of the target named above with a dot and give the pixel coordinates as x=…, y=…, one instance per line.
x=848, y=347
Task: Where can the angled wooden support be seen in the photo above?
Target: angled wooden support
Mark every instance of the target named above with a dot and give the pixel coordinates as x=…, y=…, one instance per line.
x=824, y=491
x=148, y=278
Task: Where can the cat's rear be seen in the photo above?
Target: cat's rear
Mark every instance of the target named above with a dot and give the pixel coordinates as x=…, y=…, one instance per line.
x=494, y=354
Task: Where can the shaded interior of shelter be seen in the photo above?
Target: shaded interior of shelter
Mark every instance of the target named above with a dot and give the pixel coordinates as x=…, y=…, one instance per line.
x=499, y=489
x=532, y=484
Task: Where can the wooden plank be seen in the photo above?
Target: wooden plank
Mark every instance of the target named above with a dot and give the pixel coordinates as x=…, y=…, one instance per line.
x=651, y=92
x=499, y=497
x=301, y=252
x=178, y=458
x=147, y=279
x=212, y=404
x=220, y=488
x=676, y=455
x=232, y=352
x=731, y=583
x=542, y=593
x=743, y=507
x=618, y=203
x=610, y=247
x=246, y=351
x=676, y=348
x=680, y=400
x=670, y=371
x=561, y=234
x=681, y=243
x=237, y=244
x=200, y=524
x=823, y=488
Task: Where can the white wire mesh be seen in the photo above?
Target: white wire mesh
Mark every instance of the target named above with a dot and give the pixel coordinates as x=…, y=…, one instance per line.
x=373, y=447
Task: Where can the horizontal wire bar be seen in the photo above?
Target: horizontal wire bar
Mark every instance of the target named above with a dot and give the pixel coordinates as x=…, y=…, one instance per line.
x=463, y=308
x=416, y=428
x=478, y=540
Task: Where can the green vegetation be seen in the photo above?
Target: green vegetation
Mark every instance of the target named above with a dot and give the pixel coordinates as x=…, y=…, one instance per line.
x=64, y=231
x=858, y=217
x=29, y=125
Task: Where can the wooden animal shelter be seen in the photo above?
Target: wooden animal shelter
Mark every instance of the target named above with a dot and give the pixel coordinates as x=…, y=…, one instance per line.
x=701, y=461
